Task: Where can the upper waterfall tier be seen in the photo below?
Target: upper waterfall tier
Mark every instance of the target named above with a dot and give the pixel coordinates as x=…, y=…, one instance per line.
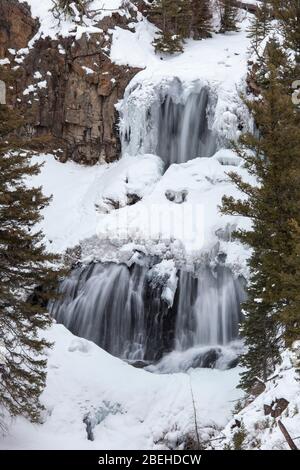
x=183, y=131
x=179, y=120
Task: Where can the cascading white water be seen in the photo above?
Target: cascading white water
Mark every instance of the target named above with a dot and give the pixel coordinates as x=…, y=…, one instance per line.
x=104, y=303
x=119, y=309
x=168, y=121
x=208, y=309
x=183, y=131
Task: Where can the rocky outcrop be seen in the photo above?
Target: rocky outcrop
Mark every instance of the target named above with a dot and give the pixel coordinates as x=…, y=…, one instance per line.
x=17, y=26
x=68, y=88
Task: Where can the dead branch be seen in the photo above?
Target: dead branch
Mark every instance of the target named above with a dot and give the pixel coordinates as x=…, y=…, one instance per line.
x=287, y=436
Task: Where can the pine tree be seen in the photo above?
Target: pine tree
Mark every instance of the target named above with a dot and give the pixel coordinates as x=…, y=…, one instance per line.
x=24, y=265
x=290, y=312
x=273, y=157
x=228, y=16
x=184, y=18
x=288, y=14
x=168, y=43
x=180, y=20
x=261, y=25
x=201, y=19
x=170, y=38
x=276, y=56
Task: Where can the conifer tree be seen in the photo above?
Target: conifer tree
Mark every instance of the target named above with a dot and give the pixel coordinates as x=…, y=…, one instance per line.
x=228, y=15
x=184, y=18
x=274, y=54
x=168, y=43
x=273, y=157
x=201, y=19
x=288, y=14
x=24, y=265
x=290, y=312
x=261, y=25
x=180, y=20
x=170, y=38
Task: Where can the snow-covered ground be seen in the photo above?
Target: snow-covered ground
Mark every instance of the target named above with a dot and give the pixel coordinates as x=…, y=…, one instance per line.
x=89, y=208
x=221, y=58
x=128, y=408
x=71, y=215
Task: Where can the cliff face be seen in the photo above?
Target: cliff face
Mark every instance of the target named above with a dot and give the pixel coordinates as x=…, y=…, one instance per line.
x=68, y=87
x=17, y=26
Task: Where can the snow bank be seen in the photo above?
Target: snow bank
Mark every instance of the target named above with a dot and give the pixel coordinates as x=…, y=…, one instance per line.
x=174, y=215
x=193, y=229
x=127, y=181
x=126, y=408
x=71, y=215
x=134, y=49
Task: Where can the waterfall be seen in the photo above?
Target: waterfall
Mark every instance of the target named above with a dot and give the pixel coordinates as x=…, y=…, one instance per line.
x=139, y=313
x=121, y=310
x=183, y=131
x=168, y=121
x=208, y=309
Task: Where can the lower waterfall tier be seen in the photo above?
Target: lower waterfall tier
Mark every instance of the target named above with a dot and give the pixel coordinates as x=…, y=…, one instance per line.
x=123, y=309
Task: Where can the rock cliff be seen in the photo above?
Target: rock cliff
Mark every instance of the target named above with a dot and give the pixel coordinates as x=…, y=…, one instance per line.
x=67, y=87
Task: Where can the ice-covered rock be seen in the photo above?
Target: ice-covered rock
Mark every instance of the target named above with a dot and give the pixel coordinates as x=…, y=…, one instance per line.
x=219, y=357
x=176, y=196
x=164, y=275
x=127, y=182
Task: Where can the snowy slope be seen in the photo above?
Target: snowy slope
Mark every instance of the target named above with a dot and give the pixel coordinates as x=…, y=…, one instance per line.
x=134, y=408
x=89, y=208
x=70, y=216
x=190, y=230
x=221, y=58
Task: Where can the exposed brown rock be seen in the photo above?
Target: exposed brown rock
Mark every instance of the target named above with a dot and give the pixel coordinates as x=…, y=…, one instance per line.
x=258, y=388
x=267, y=410
x=276, y=408
x=77, y=106
x=17, y=26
